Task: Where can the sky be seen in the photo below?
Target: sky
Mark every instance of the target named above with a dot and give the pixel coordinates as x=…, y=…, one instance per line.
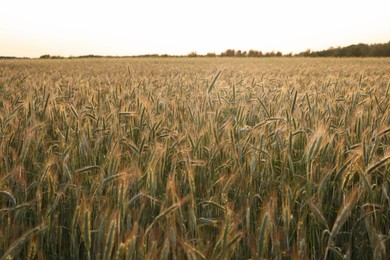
x=178, y=27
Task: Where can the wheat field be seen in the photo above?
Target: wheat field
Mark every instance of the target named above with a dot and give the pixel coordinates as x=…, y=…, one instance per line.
x=195, y=158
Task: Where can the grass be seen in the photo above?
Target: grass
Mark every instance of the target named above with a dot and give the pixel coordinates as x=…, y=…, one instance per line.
x=208, y=158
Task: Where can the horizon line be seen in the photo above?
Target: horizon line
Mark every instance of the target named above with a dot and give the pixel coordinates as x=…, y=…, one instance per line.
x=194, y=53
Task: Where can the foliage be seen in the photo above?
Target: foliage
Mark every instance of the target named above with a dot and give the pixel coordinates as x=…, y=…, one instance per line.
x=356, y=50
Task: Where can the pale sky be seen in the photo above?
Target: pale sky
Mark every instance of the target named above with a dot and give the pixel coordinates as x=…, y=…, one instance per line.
x=115, y=27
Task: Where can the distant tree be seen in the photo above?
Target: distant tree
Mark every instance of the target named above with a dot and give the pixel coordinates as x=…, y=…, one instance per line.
x=56, y=57
x=269, y=54
x=46, y=56
x=7, y=57
x=211, y=54
x=355, y=50
x=254, y=53
x=306, y=53
x=192, y=54
x=340, y=52
x=380, y=50
x=228, y=53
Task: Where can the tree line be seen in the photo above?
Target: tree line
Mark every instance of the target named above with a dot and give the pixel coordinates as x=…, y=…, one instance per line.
x=355, y=50
x=239, y=53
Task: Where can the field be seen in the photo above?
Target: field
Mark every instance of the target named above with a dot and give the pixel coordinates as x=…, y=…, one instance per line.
x=202, y=158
